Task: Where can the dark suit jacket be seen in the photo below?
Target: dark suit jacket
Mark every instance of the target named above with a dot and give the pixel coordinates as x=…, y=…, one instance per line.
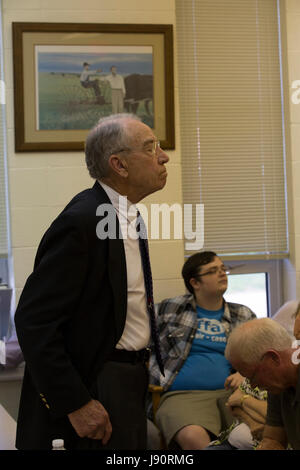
x=70, y=316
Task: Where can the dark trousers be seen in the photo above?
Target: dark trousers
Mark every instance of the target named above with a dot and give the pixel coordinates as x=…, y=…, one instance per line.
x=122, y=389
x=92, y=84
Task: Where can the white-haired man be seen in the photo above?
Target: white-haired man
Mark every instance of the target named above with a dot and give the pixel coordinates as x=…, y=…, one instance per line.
x=262, y=351
x=83, y=319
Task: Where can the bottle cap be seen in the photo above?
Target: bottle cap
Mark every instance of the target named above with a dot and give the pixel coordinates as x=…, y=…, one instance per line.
x=58, y=443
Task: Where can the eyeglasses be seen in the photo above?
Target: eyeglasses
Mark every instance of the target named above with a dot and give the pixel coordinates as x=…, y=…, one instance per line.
x=151, y=148
x=155, y=147
x=214, y=271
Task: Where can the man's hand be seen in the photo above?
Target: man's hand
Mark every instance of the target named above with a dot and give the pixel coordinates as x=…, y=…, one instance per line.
x=269, y=444
x=274, y=438
x=92, y=421
x=233, y=381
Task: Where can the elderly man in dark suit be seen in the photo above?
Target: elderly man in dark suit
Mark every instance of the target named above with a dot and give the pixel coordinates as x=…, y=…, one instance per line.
x=82, y=319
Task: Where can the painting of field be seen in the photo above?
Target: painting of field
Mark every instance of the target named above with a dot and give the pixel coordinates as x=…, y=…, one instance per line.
x=63, y=103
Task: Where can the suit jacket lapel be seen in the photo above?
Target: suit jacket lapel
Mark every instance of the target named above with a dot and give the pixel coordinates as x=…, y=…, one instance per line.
x=116, y=269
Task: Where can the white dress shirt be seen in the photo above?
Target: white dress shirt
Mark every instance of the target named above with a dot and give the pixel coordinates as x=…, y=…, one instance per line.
x=116, y=82
x=136, y=334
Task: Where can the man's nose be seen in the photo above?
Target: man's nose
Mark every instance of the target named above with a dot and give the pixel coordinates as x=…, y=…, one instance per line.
x=222, y=271
x=162, y=157
x=222, y=274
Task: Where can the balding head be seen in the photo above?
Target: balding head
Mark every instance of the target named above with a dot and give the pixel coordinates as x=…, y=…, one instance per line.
x=251, y=340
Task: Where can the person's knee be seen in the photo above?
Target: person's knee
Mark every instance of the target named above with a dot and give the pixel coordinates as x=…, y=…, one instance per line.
x=192, y=437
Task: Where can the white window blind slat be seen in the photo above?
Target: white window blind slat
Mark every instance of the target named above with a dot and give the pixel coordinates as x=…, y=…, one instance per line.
x=3, y=182
x=231, y=124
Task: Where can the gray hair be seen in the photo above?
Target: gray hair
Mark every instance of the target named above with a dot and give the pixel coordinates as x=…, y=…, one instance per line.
x=107, y=137
x=251, y=340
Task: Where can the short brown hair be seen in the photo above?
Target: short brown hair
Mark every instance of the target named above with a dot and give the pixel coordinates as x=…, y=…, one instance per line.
x=193, y=263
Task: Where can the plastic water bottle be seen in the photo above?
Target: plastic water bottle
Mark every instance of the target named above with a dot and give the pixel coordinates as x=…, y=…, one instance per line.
x=58, y=444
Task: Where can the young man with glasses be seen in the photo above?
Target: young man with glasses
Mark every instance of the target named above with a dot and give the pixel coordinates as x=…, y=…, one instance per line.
x=193, y=331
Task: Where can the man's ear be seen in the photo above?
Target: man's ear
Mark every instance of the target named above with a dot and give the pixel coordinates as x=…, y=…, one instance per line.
x=118, y=165
x=194, y=282
x=273, y=356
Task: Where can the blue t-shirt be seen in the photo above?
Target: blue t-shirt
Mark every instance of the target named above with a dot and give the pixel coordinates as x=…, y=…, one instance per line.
x=206, y=367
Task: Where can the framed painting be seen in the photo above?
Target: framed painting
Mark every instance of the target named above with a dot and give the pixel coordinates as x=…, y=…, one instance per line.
x=67, y=76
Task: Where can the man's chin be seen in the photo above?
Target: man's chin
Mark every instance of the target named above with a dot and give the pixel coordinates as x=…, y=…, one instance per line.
x=222, y=288
x=164, y=177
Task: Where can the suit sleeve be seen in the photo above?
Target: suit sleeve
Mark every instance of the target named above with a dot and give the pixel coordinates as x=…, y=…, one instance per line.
x=45, y=312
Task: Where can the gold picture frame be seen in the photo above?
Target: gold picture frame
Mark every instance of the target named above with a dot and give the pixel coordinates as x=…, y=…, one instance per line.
x=51, y=106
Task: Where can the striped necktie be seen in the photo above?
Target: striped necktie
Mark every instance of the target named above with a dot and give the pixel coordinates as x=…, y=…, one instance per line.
x=144, y=250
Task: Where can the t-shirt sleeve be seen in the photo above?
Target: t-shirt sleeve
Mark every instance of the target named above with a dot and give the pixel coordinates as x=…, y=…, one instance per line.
x=274, y=417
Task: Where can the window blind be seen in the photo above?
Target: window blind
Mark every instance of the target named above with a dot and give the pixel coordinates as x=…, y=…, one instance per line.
x=3, y=179
x=231, y=121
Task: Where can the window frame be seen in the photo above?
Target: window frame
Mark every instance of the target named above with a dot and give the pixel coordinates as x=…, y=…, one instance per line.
x=274, y=277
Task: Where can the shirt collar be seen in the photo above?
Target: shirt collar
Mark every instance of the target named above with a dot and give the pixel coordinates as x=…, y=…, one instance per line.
x=192, y=301
x=227, y=314
x=121, y=203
